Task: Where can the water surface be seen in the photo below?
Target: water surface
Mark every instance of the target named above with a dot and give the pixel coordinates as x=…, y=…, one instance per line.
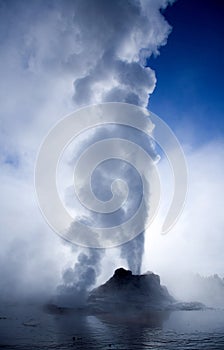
x=27, y=327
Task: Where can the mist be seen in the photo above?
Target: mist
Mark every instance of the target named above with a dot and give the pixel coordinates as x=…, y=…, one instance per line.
x=53, y=63
x=55, y=58
x=189, y=256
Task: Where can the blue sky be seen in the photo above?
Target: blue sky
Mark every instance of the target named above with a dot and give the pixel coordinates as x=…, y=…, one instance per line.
x=190, y=70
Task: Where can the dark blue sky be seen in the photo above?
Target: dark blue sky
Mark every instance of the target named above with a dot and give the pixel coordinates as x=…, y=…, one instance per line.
x=190, y=71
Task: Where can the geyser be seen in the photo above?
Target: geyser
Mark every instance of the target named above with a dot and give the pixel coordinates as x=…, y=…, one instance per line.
x=129, y=292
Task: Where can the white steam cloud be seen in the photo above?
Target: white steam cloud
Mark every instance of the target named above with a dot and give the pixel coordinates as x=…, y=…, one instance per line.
x=57, y=56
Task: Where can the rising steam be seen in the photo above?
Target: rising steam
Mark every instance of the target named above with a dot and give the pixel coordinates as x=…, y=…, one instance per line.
x=109, y=66
x=57, y=56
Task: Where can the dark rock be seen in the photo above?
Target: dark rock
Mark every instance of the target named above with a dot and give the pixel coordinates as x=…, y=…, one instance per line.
x=122, y=273
x=131, y=291
x=3, y=318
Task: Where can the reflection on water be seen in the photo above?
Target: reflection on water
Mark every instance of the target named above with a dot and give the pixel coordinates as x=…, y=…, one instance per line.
x=32, y=327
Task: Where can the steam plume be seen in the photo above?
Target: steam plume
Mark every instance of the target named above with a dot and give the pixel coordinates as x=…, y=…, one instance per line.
x=109, y=65
x=57, y=56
